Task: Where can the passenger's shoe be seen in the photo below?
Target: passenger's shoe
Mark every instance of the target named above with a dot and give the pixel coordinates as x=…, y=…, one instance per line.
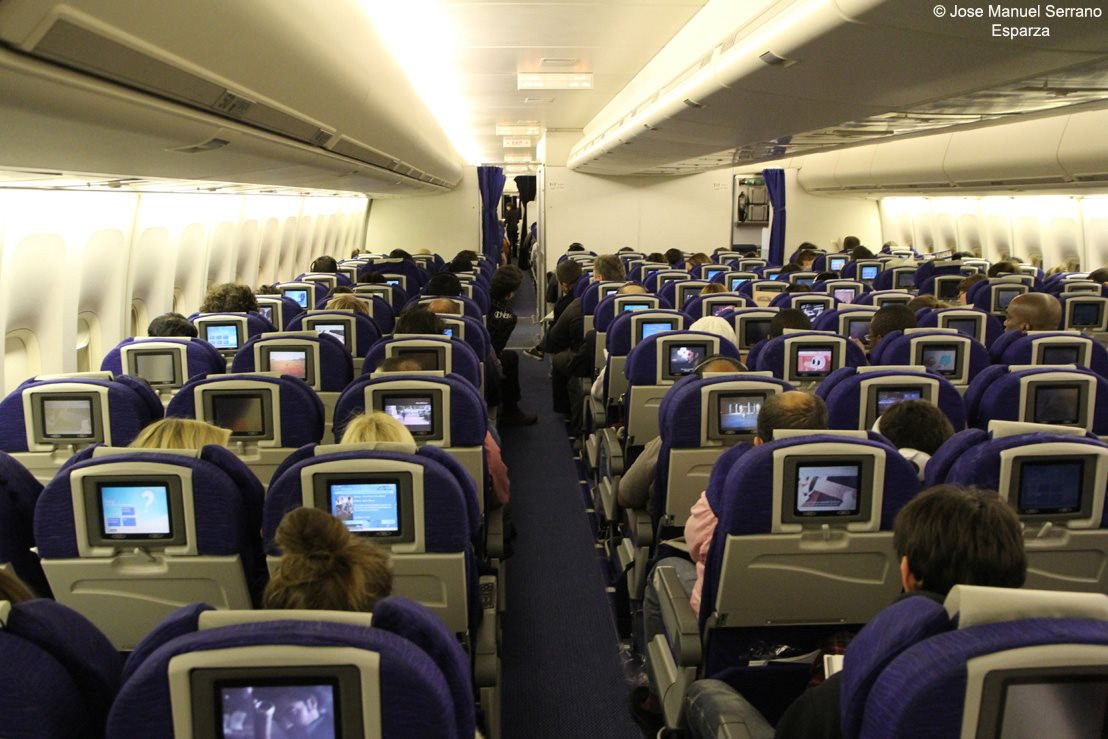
x=516, y=417
x=535, y=353
x=645, y=711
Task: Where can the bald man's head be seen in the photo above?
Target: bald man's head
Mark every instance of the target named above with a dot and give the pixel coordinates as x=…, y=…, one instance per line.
x=443, y=305
x=632, y=288
x=1033, y=312
x=791, y=410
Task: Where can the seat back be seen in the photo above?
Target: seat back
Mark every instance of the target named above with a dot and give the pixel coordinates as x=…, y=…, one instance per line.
x=655, y=364
x=626, y=330
x=128, y=535
x=955, y=356
x=844, y=291
x=464, y=306
x=714, y=304
x=384, y=302
x=1056, y=483
x=857, y=396
x=229, y=332
x=304, y=294
x=1028, y=672
x=803, y=520
x=445, y=354
x=802, y=357
x=813, y=305
x=19, y=492
x=993, y=296
x=1057, y=395
x=410, y=503
x=1055, y=348
x=277, y=309
x=60, y=673
x=1084, y=312
x=356, y=331
x=752, y=325
x=320, y=360
x=355, y=681
x=165, y=363
x=699, y=419
x=45, y=421
x=972, y=322
x=268, y=416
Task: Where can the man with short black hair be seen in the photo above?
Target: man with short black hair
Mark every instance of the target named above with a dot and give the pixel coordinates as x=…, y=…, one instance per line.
x=171, y=324
x=917, y=428
x=501, y=322
x=444, y=283
x=1033, y=312
x=673, y=257
x=419, y=320
x=891, y=318
x=324, y=264
x=1099, y=275
x=566, y=275
x=789, y=318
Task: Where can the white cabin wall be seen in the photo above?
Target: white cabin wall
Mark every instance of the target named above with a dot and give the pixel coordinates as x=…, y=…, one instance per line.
x=82, y=270
x=645, y=213
x=1046, y=229
x=445, y=224
x=824, y=220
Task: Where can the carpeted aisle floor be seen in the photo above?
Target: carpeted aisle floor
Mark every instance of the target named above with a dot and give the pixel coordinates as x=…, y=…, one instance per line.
x=561, y=668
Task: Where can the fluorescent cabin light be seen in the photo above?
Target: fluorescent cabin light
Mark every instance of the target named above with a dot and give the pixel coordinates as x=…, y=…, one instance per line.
x=559, y=81
x=518, y=158
x=518, y=129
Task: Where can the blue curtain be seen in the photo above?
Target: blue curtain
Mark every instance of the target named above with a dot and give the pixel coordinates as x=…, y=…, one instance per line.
x=490, y=180
x=775, y=187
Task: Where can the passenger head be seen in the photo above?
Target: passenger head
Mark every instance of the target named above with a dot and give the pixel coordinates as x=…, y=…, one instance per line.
x=267, y=290
x=568, y=272
x=965, y=285
x=444, y=306
x=575, y=246
x=608, y=267
x=806, y=256
x=922, y=301
x=698, y=258
x=949, y=535
x=504, y=283
x=348, y=301
x=398, y=364
x=860, y=252
x=229, y=297
x=443, y=283
x=788, y=318
x=850, y=243
x=340, y=290
x=14, y=590
x=366, y=427
x=324, y=264
x=180, y=433
x=790, y=410
x=788, y=269
x=400, y=254
x=715, y=325
x=373, y=278
x=1033, y=312
x=915, y=424
x=655, y=257
x=632, y=288
x=171, y=324
x=712, y=288
x=1099, y=275
x=467, y=254
x=324, y=566
x=460, y=263
x=1002, y=268
x=673, y=256
x=418, y=320
x=720, y=363
x=797, y=288
x=888, y=319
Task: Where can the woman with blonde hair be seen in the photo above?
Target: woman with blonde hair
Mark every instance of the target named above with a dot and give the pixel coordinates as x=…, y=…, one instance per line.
x=326, y=567
x=180, y=433
x=377, y=426
x=347, y=301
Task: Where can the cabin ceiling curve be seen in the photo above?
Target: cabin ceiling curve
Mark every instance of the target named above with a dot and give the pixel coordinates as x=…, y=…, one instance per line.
x=291, y=93
x=815, y=75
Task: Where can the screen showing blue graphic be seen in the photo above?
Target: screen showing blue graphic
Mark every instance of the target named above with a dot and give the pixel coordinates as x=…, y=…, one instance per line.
x=135, y=510
x=367, y=507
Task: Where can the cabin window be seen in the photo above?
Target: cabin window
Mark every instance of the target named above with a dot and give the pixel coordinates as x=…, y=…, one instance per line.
x=84, y=341
x=21, y=357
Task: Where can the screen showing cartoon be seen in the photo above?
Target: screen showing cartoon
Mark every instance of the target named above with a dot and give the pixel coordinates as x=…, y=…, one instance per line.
x=813, y=361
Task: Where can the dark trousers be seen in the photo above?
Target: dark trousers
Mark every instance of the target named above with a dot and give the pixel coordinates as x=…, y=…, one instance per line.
x=509, y=384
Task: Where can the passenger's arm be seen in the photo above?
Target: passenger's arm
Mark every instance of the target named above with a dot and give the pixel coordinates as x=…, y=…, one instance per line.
x=634, y=486
x=498, y=472
x=699, y=528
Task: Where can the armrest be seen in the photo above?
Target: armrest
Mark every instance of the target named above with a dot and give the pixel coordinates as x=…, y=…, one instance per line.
x=485, y=659
x=713, y=708
x=681, y=623
x=612, y=452
x=640, y=527
x=494, y=534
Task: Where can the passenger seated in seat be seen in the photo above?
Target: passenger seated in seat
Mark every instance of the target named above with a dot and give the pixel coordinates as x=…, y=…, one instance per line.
x=789, y=410
x=945, y=536
x=566, y=275
x=1099, y=275
x=712, y=288
x=444, y=283
x=378, y=426
x=806, y=257
x=324, y=264
x=917, y=428
x=965, y=285
x=14, y=590
x=171, y=324
x=229, y=297
x=418, y=320
x=885, y=321
x=790, y=318
x=494, y=460
x=1033, y=312
x=344, y=301
x=326, y=567
x=180, y=433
